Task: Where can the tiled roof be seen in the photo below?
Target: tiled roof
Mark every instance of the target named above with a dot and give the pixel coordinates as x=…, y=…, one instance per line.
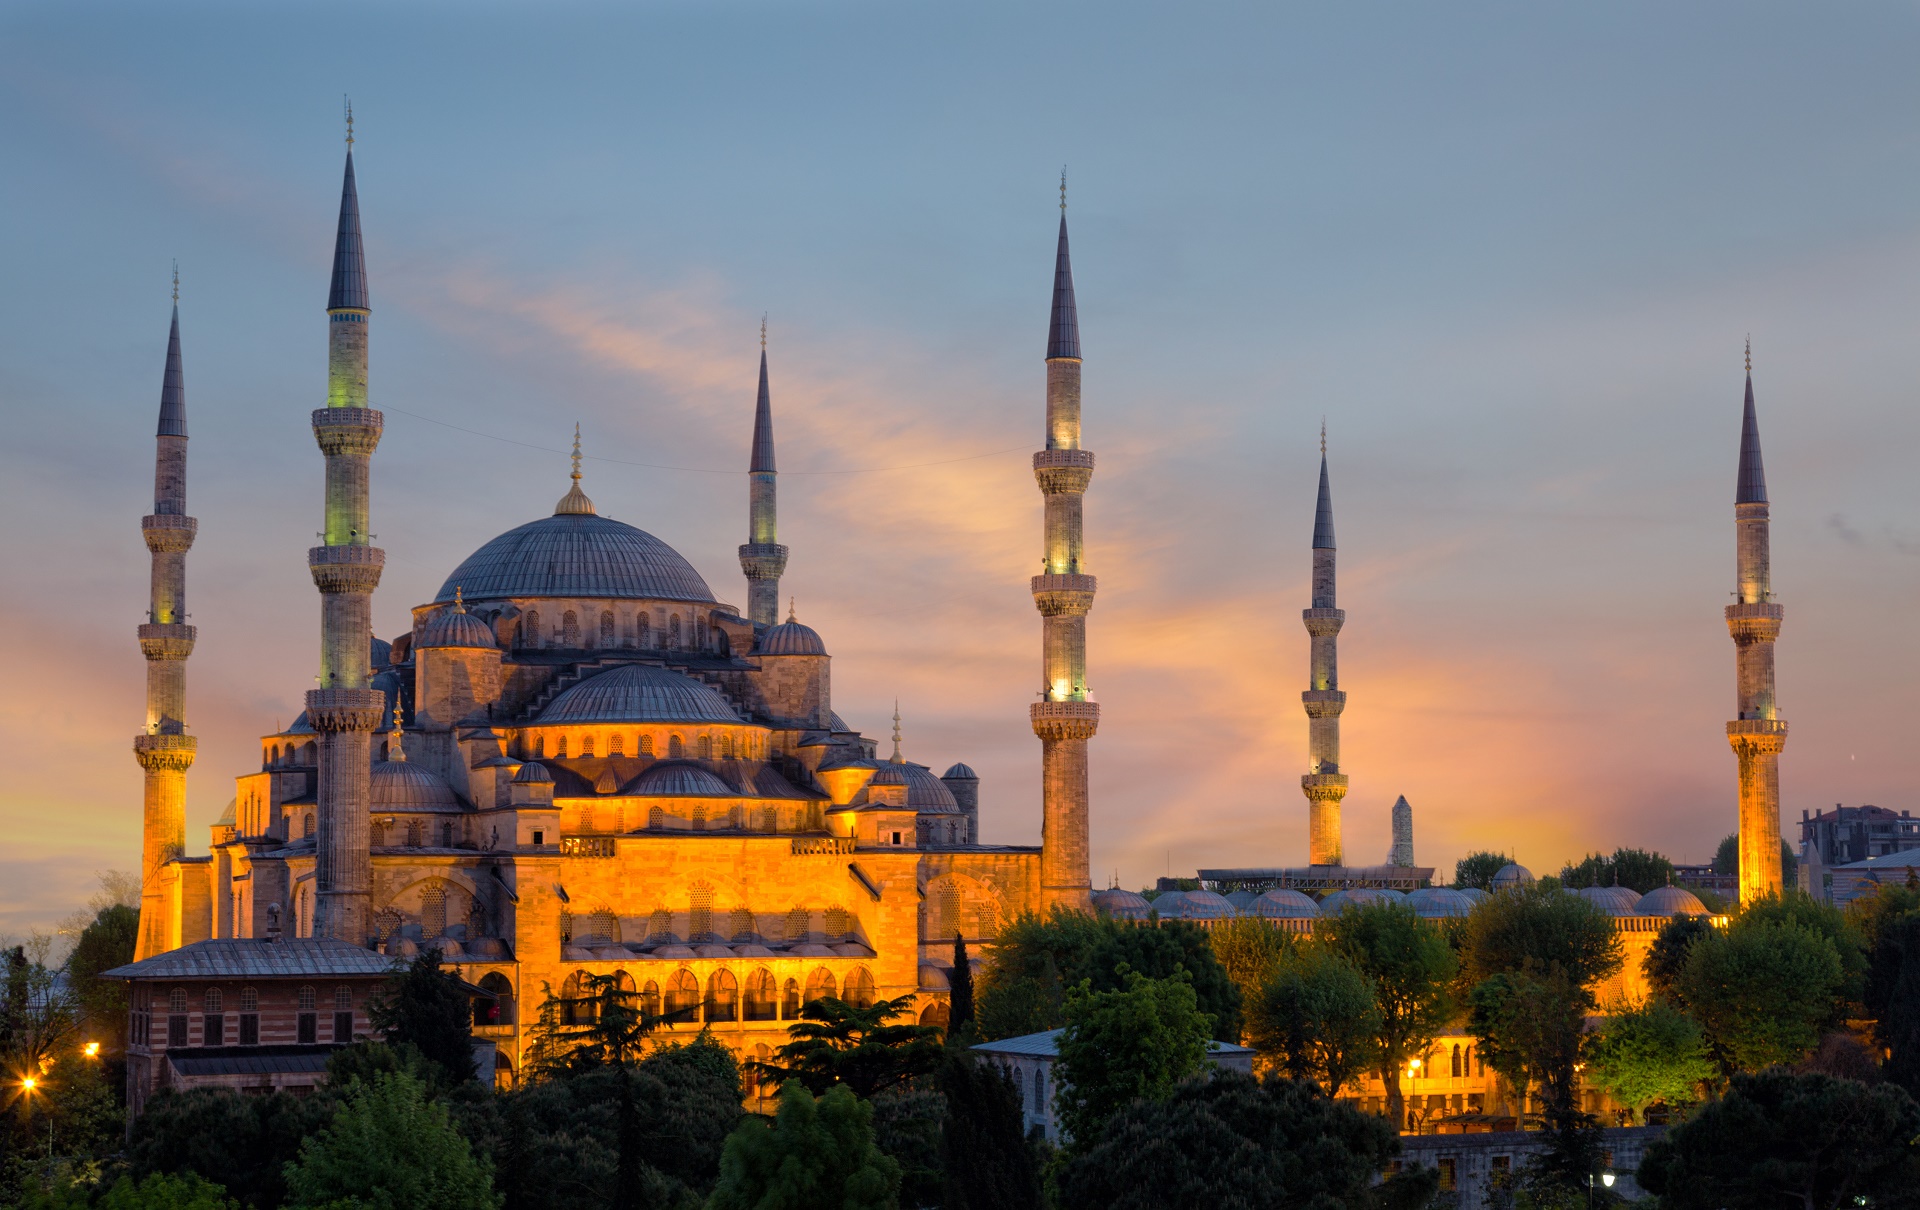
x=1047, y=1045
x=288, y=958
x=173, y=386
x=349, y=260
x=577, y=555
x=1063, y=332
x=640, y=693
x=250, y=1060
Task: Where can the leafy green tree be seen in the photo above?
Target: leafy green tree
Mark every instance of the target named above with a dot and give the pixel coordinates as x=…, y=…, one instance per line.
x=983, y=1148
x=1726, y=860
x=1893, y=996
x=1635, y=869
x=1315, y=1019
x=1779, y=1140
x=1163, y=952
x=1230, y=1141
x=839, y=1043
x=1119, y=1045
x=960, y=1024
x=1761, y=993
x=906, y=1126
x=1537, y=929
x=243, y=1142
x=1650, y=1053
x=158, y=1191
x=428, y=1008
x=816, y=1155
x=1667, y=956
x=389, y=1148
x=106, y=942
x=1478, y=869
x=1250, y=950
x=1803, y=911
x=1411, y=967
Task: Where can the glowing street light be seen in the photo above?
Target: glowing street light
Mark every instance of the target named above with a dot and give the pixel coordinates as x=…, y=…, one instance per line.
x=93, y=1050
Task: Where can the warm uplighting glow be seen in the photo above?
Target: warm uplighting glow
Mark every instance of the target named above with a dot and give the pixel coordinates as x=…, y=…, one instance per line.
x=93, y=1050
x=28, y=1083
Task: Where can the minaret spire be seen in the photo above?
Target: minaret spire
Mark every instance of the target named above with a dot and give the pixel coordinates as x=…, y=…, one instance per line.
x=1064, y=718
x=1324, y=784
x=164, y=749
x=345, y=710
x=1758, y=733
x=763, y=559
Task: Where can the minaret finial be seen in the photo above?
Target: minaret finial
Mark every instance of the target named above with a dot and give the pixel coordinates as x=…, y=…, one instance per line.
x=1063, y=188
x=1749, y=354
x=576, y=451
x=1323, y=436
x=575, y=501
x=763, y=331
x=176, y=283
x=897, y=758
x=348, y=102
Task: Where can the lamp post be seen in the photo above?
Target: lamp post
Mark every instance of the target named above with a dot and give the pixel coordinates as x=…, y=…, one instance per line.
x=1606, y=1179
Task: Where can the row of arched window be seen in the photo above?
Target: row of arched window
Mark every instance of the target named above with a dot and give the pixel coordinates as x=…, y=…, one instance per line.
x=571, y=634
x=1464, y=1059
x=725, y=746
x=416, y=834
x=706, y=926
x=738, y=817
x=945, y=913
x=723, y=999
x=277, y=757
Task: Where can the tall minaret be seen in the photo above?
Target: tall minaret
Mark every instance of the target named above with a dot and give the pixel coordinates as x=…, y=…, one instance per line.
x=344, y=709
x=762, y=558
x=1064, y=719
x=1324, y=784
x=1759, y=732
x=164, y=749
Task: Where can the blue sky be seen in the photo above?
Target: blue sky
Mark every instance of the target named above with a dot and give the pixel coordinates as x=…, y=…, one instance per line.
x=1509, y=252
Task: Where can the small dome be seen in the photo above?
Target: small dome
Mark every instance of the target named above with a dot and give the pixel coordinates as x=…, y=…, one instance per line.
x=533, y=774
x=1241, y=900
x=1670, y=901
x=959, y=772
x=932, y=978
x=890, y=775
x=1122, y=904
x=640, y=693
x=1439, y=902
x=790, y=638
x=927, y=794
x=1613, y=900
x=678, y=779
x=1359, y=896
x=1284, y=903
x=457, y=628
x=399, y=786
x=1192, y=905
x=1477, y=894
x=1512, y=875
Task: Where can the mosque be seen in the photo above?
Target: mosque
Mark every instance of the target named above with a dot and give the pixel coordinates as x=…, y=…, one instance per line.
x=578, y=759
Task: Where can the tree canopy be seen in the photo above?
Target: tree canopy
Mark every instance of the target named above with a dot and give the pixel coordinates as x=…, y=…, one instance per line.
x=1636, y=869
x=1536, y=929
x=1138, y=1041
x=984, y=1155
x=426, y=1007
x=1667, y=956
x=1478, y=869
x=1762, y=992
x=815, y=1155
x=835, y=1042
x=1315, y=1019
x=389, y=1148
x=1650, y=1053
x=1411, y=968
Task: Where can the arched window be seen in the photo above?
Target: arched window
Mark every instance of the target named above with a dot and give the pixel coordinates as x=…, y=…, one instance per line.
x=446, y=835
x=790, y=1001
x=935, y=1015
x=770, y=819
x=643, y=626
x=570, y=630
x=723, y=997
x=249, y=1000
x=820, y=984
x=650, y=999
x=949, y=913
x=212, y=1001
x=575, y=1007
x=656, y=818
x=799, y=924
x=1040, y=1092
x=276, y=754
x=602, y=928
x=700, y=914
x=378, y=832
x=560, y=747
x=726, y=747
x=306, y=825
x=1456, y=1062
x=859, y=989
x=673, y=631
x=606, y=629
x=539, y=745
x=660, y=927
x=309, y=1000
x=532, y=629
x=674, y=748
x=838, y=926
x=706, y=747
x=763, y=997
x=433, y=910
x=617, y=745
x=736, y=816
x=699, y=819
x=740, y=927
x=177, y=1000
x=646, y=745
x=683, y=995
x=309, y=753
x=586, y=745
x=416, y=835
x=499, y=1009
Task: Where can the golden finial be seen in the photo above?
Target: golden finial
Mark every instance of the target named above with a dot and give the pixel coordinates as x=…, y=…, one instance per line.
x=576, y=451
x=763, y=332
x=394, y=750
x=1749, y=354
x=176, y=283
x=1063, y=188
x=791, y=615
x=1323, y=436
x=897, y=758
x=575, y=501
x=348, y=102
x=458, y=605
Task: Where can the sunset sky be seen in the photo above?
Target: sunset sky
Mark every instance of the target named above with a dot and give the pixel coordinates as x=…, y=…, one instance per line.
x=1509, y=252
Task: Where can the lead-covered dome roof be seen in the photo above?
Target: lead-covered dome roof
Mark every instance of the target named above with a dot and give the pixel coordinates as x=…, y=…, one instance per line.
x=456, y=628
x=675, y=779
x=791, y=638
x=1613, y=900
x=577, y=555
x=399, y=786
x=639, y=693
x=1669, y=901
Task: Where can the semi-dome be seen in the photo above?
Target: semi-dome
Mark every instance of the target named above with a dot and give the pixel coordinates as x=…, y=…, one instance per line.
x=1438, y=902
x=399, y=786
x=533, y=773
x=959, y=772
x=1613, y=900
x=1669, y=901
x=639, y=693
x=577, y=555
x=889, y=775
x=1511, y=876
x=679, y=779
x=456, y=628
x=1284, y=903
x=1122, y=904
x=790, y=638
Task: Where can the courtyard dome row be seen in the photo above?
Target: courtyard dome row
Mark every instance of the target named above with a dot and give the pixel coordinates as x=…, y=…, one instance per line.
x=1432, y=903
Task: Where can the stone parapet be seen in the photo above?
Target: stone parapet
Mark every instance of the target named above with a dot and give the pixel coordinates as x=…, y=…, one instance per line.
x=1323, y=703
x=1065, y=720
x=346, y=709
x=763, y=560
x=1756, y=623
x=168, y=533
x=1323, y=623
x=173, y=753
x=1063, y=595
x=347, y=430
x=339, y=569
x=1324, y=787
x=1760, y=736
x=166, y=640
x=1063, y=472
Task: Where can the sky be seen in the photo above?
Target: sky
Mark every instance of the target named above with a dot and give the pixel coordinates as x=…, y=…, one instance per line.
x=1508, y=252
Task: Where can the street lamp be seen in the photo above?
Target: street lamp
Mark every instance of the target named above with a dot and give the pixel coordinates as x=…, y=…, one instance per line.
x=1606, y=1178
x=93, y=1050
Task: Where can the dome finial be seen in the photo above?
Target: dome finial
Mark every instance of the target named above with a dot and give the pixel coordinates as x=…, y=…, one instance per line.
x=458, y=605
x=792, y=614
x=395, y=752
x=575, y=501
x=576, y=451
x=897, y=758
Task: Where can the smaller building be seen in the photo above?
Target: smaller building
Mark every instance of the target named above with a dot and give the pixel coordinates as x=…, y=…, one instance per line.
x=1846, y=835
x=1480, y=1169
x=1841, y=885
x=1028, y=1061
x=251, y=1015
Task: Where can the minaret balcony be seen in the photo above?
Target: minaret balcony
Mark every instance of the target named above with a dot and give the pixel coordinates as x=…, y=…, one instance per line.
x=763, y=560
x=166, y=640
x=346, y=568
x=1760, y=736
x=168, y=533
x=1324, y=787
x=1323, y=623
x=172, y=753
x=1065, y=720
x=1324, y=703
x=1754, y=623
x=347, y=430
x=1063, y=472
x=346, y=709
x=1068, y=595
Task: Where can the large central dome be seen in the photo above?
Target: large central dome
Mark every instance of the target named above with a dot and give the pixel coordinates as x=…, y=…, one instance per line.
x=576, y=555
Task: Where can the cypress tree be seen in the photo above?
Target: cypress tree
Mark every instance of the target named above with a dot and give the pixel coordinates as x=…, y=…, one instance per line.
x=960, y=983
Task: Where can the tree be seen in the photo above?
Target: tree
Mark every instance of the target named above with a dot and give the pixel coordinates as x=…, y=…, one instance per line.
x=1315, y=1019
x=244, y=1143
x=1797, y=909
x=1538, y=929
x=983, y=1148
x=1250, y=950
x=1667, y=956
x=839, y=1043
x=389, y=1148
x=1726, y=860
x=106, y=942
x=1650, y=1053
x=1232, y=1141
x=960, y=993
x=816, y=1155
x=1478, y=869
x=1779, y=1139
x=428, y=1008
x=1761, y=993
x=1410, y=966
x=1163, y=952
x=1635, y=869
x=1893, y=996
x=1120, y=1045
x=158, y=1191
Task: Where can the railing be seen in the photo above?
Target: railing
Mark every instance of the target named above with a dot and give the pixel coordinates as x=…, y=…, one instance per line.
x=809, y=846
x=587, y=846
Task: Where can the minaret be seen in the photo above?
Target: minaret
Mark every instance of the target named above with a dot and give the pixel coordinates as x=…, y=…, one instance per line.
x=1401, y=854
x=1064, y=718
x=164, y=749
x=762, y=558
x=344, y=709
x=1759, y=732
x=1324, y=784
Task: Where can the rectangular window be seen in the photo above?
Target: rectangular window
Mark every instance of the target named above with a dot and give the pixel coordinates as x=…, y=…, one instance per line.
x=343, y=1028
x=1449, y=1174
x=539, y=837
x=213, y=1030
x=249, y=1029
x=177, y=1029
x=309, y=1027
